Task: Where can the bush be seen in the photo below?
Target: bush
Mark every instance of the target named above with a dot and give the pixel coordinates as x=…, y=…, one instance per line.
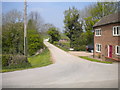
x=54, y=34
x=80, y=48
x=14, y=61
x=55, y=43
x=5, y=60
x=35, y=42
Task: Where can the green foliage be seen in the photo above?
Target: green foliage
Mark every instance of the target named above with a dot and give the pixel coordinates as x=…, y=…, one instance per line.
x=63, y=36
x=12, y=46
x=79, y=37
x=54, y=34
x=94, y=60
x=80, y=48
x=12, y=38
x=5, y=60
x=73, y=28
x=98, y=11
x=10, y=61
x=62, y=45
x=102, y=9
x=40, y=60
x=12, y=41
x=35, y=41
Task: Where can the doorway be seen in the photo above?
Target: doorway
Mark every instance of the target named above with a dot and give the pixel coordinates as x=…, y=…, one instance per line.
x=110, y=51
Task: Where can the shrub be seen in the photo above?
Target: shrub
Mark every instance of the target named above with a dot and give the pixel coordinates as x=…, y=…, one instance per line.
x=5, y=60
x=80, y=48
x=35, y=42
x=14, y=61
x=55, y=43
x=54, y=34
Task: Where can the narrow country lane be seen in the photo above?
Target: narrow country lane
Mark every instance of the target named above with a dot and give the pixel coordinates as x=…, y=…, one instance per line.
x=68, y=71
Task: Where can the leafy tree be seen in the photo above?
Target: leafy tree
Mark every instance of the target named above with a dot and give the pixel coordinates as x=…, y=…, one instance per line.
x=54, y=34
x=89, y=32
x=96, y=12
x=35, y=41
x=102, y=9
x=12, y=33
x=12, y=38
x=36, y=19
x=12, y=41
x=73, y=27
x=12, y=16
x=45, y=28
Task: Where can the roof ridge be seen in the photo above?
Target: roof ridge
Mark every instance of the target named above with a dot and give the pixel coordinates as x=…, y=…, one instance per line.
x=111, y=18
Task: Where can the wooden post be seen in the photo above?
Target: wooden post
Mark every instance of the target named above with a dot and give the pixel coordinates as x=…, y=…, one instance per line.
x=25, y=28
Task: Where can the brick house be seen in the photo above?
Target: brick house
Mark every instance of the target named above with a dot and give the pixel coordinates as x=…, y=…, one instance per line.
x=107, y=37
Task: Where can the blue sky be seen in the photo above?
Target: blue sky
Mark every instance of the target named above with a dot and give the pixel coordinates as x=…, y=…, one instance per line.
x=51, y=12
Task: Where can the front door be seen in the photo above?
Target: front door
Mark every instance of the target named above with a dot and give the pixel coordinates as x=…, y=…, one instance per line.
x=110, y=51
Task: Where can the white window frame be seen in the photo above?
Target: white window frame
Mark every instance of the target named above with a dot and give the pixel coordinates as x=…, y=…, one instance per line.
x=98, y=32
x=116, y=49
x=115, y=31
x=98, y=47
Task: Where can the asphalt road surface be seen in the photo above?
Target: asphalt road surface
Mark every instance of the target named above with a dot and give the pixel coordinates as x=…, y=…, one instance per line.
x=68, y=71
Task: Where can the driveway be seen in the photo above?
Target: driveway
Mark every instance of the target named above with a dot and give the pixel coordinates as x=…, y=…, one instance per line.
x=81, y=53
x=68, y=71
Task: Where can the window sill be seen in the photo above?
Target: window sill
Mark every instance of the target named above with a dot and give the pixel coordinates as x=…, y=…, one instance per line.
x=98, y=51
x=116, y=35
x=98, y=35
x=117, y=54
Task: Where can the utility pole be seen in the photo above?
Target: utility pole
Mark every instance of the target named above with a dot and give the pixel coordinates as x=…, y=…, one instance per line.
x=103, y=9
x=25, y=28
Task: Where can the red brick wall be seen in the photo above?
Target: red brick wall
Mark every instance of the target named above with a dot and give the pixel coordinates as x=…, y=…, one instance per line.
x=106, y=39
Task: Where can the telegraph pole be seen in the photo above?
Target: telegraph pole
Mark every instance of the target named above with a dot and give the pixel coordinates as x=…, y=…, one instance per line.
x=25, y=28
x=103, y=9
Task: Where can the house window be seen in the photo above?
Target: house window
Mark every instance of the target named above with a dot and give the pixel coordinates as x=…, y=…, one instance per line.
x=116, y=31
x=98, y=47
x=117, y=50
x=97, y=32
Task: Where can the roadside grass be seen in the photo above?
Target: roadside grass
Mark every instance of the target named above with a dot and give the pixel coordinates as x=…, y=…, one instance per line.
x=65, y=49
x=40, y=60
x=15, y=68
x=62, y=45
x=94, y=60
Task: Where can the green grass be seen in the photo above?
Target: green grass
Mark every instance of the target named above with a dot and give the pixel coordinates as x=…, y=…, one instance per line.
x=63, y=36
x=45, y=36
x=64, y=45
x=61, y=48
x=10, y=70
x=40, y=60
x=94, y=60
x=15, y=68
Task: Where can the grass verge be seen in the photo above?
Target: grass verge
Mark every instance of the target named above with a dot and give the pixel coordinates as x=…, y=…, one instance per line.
x=40, y=60
x=61, y=47
x=94, y=60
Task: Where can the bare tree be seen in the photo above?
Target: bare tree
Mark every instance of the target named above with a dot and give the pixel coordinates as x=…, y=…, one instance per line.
x=45, y=27
x=37, y=19
x=12, y=16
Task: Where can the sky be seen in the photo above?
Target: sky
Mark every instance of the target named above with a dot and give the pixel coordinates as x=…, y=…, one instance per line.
x=51, y=12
